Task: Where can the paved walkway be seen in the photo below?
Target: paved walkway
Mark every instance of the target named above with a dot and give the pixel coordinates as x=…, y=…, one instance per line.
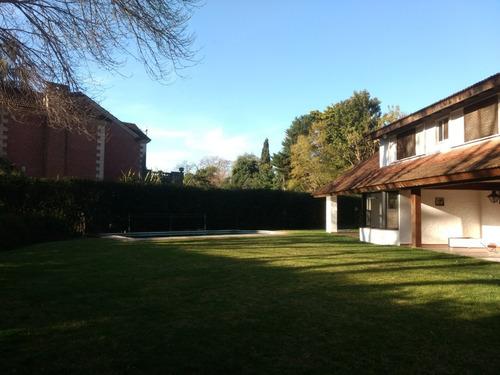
x=480, y=253
x=492, y=256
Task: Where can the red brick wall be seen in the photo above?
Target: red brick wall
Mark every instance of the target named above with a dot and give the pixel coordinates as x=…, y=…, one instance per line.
x=122, y=153
x=42, y=151
x=55, y=146
x=81, y=156
x=47, y=152
x=25, y=146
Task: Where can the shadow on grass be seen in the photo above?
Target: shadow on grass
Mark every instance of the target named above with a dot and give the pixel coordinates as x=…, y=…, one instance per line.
x=294, y=304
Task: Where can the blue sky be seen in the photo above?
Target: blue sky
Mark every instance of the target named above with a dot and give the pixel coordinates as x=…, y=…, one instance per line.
x=265, y=62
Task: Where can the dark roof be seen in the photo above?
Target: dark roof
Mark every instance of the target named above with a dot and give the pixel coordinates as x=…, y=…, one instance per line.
x=470, y=95
x=95, y=109
x=140, y=134
x=470, y=163
x=14, y=95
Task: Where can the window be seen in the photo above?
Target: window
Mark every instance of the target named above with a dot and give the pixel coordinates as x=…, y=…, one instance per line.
x=392, y=217
x=406, y=144
x=481, y=119
x=371, y=205
x=382, y=210
x=442, y=130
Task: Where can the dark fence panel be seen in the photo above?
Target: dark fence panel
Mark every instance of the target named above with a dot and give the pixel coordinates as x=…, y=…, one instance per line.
x=33, y=210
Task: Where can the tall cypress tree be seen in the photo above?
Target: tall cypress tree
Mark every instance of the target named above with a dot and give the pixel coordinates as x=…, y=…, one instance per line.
x=265, y=157
x=266, y=178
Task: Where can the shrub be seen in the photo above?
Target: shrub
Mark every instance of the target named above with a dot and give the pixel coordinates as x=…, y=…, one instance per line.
x=21, y=230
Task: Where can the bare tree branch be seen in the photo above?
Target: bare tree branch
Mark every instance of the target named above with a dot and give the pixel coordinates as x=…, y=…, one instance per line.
x=57, y=41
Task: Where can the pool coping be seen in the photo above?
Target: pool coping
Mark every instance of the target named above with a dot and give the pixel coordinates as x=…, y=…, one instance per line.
x=149, y=236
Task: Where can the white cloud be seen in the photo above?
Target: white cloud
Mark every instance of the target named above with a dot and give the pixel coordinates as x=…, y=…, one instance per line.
x=167, y=160
x=162, y=135
x=215, y=142
x=188, y=137
x=169, y=148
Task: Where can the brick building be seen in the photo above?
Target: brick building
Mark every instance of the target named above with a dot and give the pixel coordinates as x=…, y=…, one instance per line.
x=111, y=148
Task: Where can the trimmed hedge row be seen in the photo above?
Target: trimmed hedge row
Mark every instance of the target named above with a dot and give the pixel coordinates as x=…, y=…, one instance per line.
x=21, y=230
x=34, y=210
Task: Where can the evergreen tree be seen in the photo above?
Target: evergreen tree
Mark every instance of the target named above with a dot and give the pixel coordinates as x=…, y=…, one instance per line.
x=245, y=172
x=266, y=178
x=265, y=157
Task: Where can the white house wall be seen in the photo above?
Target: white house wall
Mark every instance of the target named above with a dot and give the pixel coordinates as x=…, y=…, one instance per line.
x=383, y=152
x=388, y=151
x=456, y=128
x=465, y=213
x=379, y=236
x=331, y=214
x=459, y=217
x=420, y=140
x=490, y=220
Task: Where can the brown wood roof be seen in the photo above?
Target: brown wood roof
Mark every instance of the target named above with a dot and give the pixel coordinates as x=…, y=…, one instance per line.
x=469, y=163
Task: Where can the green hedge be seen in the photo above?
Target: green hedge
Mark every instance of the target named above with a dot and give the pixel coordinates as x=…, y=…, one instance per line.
x=34, y=210
x=20, y=230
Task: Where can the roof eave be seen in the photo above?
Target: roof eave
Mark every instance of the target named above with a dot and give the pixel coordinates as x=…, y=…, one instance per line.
x=428, y=182
x=476, y=92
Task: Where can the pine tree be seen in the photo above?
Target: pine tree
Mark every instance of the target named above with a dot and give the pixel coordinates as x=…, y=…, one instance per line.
x=265, y=157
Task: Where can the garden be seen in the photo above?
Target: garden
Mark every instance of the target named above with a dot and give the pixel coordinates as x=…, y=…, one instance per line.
x=300, y=302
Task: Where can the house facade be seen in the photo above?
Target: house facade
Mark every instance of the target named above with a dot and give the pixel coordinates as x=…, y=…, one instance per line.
x=436, y=177
x=110, y=149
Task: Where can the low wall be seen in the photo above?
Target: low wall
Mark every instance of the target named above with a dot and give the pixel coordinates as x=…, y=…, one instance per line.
x=379, y=236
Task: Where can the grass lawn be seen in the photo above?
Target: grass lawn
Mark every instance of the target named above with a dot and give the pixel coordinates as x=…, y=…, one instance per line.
x=300, y=303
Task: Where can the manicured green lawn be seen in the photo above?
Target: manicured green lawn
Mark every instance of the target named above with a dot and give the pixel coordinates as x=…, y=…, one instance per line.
x=300, y=303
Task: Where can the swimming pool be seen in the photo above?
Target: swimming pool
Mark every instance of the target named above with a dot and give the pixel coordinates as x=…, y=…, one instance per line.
x=185, y=233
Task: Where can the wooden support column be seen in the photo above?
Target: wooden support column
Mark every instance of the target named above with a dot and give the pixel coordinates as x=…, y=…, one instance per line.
x=363, y=210
x=416, y=218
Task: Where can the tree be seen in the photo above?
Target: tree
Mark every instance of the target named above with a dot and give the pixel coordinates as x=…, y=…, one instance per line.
x=266, y=178
x=221, y=169
x=346, y=124
x=61, y=41
x=335, y=142
x=265, y=157
x=245, y=172
x=281, y=160
x=312, y=161
x=211, y=171
x=201, y=178
x=393, y=114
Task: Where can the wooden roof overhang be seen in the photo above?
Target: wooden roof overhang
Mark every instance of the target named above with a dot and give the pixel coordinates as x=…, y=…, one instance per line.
x=473, y=94
x=475, y=166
